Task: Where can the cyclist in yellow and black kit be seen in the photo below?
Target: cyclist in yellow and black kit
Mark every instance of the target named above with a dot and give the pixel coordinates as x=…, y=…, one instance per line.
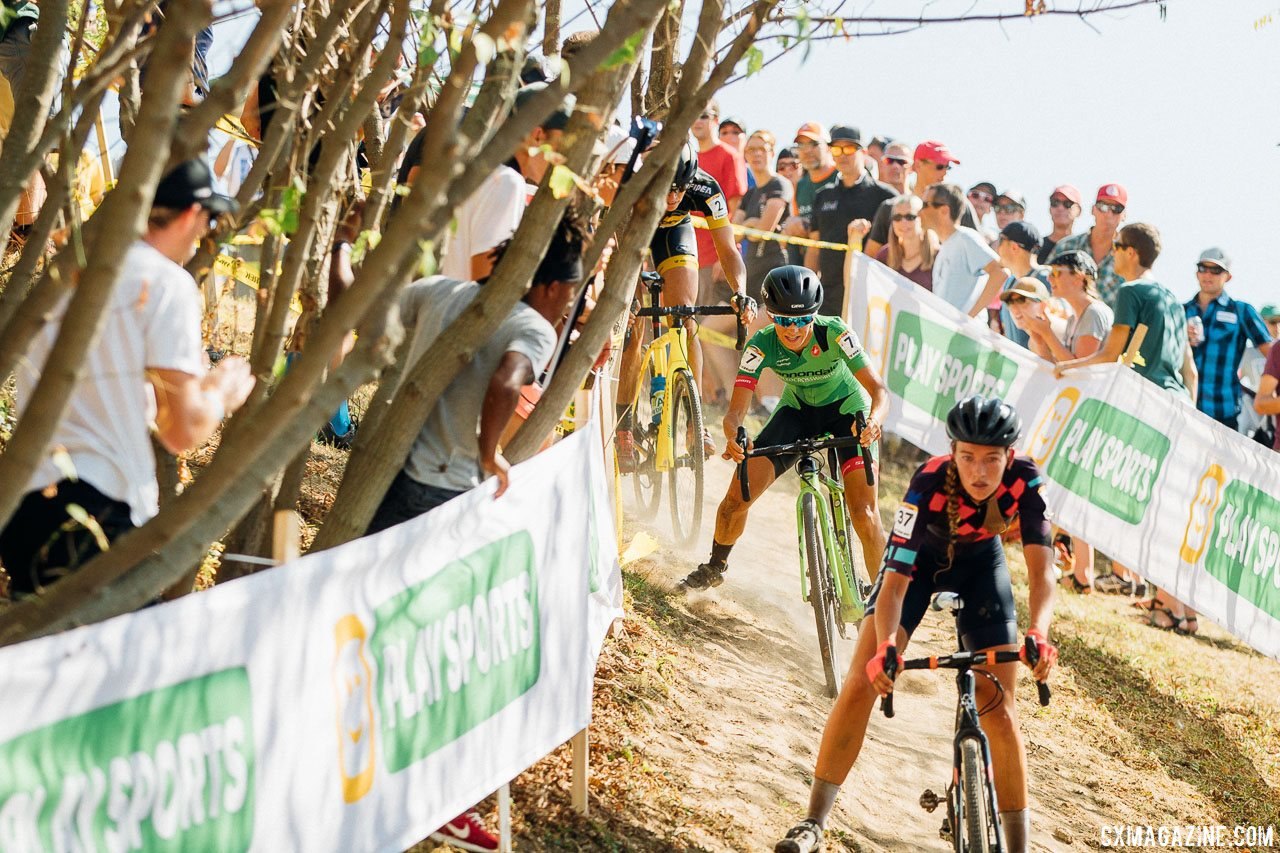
x=675, y=254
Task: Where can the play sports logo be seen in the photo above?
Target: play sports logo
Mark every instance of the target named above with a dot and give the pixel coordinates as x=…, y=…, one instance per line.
x=172, y=769
x=443, y=656
x=1104, y=455
x=933, y=367
x=876, y=340
x=1235, y=529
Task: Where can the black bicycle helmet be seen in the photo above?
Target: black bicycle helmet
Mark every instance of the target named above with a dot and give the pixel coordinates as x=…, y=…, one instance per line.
x=982, y=420
x=791, y=291
x=686, y=166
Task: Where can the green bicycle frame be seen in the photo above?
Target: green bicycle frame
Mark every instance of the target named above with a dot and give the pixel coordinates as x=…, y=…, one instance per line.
x=833, y=516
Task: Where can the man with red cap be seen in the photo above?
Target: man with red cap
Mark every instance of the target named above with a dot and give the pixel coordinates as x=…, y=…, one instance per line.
x=1108, y=213
x=933, y=159
x=1065, y=207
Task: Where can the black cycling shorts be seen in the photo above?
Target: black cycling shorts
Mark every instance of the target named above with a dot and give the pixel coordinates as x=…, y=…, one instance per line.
x=981, y=577
x=674, y=246
x=788, y=424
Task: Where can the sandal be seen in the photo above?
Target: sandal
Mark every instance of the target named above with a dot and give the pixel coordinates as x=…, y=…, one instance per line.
x=1074, y=584
x=1145, y=604
x=1157, y=611
x=1189, y=625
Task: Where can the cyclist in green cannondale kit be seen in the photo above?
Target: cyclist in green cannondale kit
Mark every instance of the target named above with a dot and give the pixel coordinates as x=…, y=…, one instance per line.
x=829, y=380
x=946, y=536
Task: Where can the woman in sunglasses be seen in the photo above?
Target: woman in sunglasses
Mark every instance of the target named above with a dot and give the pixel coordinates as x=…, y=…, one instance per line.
x=911, y=247
x=828, y=381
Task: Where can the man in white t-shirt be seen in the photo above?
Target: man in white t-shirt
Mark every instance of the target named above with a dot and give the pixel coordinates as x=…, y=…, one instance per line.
x=147, y=367
x=966, y=272
x=486, y=219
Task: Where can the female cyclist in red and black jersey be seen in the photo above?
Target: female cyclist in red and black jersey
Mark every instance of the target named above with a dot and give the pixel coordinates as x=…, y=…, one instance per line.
x=946, y=536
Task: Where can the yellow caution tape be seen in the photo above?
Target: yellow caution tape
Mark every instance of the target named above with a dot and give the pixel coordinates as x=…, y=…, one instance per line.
x=231, y=126
x=247, y=272
x=744, y=231
x=715, y=338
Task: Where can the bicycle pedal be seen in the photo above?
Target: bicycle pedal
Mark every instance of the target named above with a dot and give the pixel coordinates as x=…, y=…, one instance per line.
x=945, y=831
x=929, y=800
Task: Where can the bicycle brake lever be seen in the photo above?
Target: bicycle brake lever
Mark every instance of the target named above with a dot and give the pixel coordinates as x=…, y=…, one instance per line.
x=891, y=670
x=1033, y=658
x=864, y=452
x=742, y=466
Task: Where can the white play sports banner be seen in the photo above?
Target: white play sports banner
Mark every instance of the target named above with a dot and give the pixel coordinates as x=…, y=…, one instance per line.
x=353, y=700
x=1131, y=468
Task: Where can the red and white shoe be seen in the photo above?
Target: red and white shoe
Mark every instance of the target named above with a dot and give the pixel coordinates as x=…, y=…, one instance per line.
x=466, y=832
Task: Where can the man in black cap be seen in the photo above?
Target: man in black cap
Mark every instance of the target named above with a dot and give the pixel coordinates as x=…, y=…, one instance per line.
x=150, y=336
x=855, y=196
x=1017, y=247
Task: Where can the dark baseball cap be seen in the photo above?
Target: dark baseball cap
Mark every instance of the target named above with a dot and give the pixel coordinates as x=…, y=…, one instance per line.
x=559, y=119
x=847, y=133
x=1076, y=261
x=191, y=183
x=1022, y=233
x=986, y=186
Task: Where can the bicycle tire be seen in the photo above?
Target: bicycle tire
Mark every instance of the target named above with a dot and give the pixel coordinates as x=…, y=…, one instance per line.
x=973, y=793
x=818, y=573
x=686, y=477
x=645, y=479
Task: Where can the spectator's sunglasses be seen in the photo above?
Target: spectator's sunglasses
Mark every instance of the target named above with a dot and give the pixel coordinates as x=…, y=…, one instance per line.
x=979, y=195
x=1062, y=202
x=1211, y=269
x=1008, y=208
x=897, y=160
x=846, y=148
x=1117, y=245
x=909, y=217
x=1017, y=300
x=1109, y=207
x=793, y=322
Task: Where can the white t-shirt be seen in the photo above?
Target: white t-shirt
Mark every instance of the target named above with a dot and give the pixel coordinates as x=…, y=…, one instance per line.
x=153, y=321
x=958, y=274
x=484, y=220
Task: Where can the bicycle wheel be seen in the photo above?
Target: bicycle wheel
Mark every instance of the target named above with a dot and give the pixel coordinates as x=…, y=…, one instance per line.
x=645, y=425
x=820, y=592
x=973, y=796
x=686, y=473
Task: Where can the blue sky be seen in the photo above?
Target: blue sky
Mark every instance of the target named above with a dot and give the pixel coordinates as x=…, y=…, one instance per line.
x=1183, y=112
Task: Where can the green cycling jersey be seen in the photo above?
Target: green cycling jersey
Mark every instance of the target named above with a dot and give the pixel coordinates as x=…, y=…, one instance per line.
x=820, y=374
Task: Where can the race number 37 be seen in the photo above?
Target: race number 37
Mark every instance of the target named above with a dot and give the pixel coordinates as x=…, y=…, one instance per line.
x=904, y=520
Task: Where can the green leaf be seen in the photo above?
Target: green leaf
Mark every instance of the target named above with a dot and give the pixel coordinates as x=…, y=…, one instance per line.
x=427, y=264
x=428, y=55
x=562, y=180
x=626, y=54
x=755, y=60
x=88, y=522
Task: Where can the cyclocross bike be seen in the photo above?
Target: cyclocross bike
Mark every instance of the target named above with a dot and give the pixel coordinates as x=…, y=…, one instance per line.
x=830, y=580
x=667, y=416
x=972, y=824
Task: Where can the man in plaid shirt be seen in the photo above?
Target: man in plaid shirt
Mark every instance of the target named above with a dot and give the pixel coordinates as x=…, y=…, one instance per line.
x=1226, y=326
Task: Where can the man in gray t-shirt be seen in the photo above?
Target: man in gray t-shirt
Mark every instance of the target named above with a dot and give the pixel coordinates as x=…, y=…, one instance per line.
x=458, y=444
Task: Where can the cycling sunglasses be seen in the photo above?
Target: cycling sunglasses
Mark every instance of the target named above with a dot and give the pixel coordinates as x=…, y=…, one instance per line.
x=793, y=322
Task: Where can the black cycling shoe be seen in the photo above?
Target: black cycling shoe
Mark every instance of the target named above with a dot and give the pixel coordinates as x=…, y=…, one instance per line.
x=705, y=576
x=804, y=837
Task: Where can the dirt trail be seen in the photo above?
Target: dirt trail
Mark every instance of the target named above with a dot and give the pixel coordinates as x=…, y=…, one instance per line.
x=752, y=711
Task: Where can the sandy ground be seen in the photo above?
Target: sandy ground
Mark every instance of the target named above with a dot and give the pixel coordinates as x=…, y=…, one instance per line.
x=751, y=711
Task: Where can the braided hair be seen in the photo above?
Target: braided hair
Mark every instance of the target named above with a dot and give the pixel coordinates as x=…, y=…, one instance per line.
x=953, y=511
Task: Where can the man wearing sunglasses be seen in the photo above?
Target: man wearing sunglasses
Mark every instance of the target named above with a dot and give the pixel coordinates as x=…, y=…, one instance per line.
x=856, y=196
x=1065, y=206
x=1219, y=329
x=812, y=146
x=829, y=380
x=966, y=272
x=894, y=164
x=931, y=164
x=1108, y=213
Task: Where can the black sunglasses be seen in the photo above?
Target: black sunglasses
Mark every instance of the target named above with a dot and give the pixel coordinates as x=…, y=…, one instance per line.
x=898, y=160
x=1061, y=202
x=1008, y=208
x=1209, y=268
x=909, y=217
x=1110, y=207
x=1116, y=245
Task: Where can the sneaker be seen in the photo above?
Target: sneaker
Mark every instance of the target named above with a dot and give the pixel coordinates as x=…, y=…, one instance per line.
x=1113, y=585
x=341, y=442
x=804, y=837
x=705, y=576
x=466, y=832
x=625, y=444
x=708, y=444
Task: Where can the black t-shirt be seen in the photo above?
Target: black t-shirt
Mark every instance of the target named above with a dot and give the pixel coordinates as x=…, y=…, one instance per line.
x=1046, y=250
x=884, y=217
x=833, y=209
x=753, y=205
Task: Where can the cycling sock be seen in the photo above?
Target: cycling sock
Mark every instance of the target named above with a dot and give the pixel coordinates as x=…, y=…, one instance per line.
x=719, y=554
x=1017, y=827
x=822, y=799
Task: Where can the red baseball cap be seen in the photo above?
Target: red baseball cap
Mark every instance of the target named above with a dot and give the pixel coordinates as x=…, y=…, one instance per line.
x=813, y=130
x=935, y=152
x=1113, y=193
x=1070, y=193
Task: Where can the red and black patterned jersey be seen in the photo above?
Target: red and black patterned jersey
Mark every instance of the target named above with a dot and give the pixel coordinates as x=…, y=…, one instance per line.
x=921, y=526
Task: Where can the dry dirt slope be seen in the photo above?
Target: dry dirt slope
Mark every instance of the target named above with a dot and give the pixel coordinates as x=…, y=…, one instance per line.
x=709, y=711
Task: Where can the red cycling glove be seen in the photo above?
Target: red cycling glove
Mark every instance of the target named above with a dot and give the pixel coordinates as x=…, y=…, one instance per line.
x=875, y=666
x=1048, y=651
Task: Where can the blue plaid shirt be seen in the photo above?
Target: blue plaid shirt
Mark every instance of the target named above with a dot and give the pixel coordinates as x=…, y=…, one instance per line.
x=1108, y=282
x=1229, y=326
